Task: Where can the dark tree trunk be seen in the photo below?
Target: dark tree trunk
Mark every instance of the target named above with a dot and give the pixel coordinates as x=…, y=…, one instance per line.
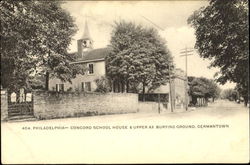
x=127, y=86
x=113, y=86
x=119, y=86
x=194, y=100
x=206, y=101
x=245, y=100
x=47, y=81
x=47, y=75
x=143, y=91
x=122, y=87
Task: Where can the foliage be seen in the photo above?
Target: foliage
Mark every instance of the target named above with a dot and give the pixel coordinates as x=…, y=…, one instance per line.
x=70, y=89
x=230, y=94
x=243, y=92
x=34, y=40
x=36, y=82
x=200, y=87
x=222, y=36
x=103, y=85
x=138, y=57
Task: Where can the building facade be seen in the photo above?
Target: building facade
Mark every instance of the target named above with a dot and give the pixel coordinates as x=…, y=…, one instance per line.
x=92, y=59
x=177, y=89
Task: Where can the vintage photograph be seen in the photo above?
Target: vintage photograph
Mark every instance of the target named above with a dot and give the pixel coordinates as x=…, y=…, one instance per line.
x=124, y=81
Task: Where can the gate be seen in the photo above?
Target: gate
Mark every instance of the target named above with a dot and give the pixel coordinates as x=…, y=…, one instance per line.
x=20, y=103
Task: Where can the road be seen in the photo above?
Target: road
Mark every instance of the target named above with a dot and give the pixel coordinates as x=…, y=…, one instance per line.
x=214, y=134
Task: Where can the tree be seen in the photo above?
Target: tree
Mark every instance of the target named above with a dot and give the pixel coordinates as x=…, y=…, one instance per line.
x=103, y=85
x=35, y=36
x=230, y=94
x=139, y=57
x=222, y=36
x=242, y=92
x=214, y=91
x=200, y=87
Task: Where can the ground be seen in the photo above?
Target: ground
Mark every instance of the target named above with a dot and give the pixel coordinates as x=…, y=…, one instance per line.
x=133, y=138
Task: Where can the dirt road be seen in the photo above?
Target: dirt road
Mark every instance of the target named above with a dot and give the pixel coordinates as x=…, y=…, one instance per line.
x=217, y=133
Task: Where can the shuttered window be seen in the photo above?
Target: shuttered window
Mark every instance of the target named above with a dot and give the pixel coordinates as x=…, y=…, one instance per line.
x=83, y=86
x=91, y=68
x=88, y=86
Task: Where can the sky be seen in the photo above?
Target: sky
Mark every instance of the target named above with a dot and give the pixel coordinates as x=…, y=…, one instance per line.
x=168, y=17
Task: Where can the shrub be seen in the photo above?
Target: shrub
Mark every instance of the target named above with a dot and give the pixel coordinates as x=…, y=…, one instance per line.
x=103, y=85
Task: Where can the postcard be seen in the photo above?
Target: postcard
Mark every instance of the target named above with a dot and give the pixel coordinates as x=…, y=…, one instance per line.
x=89, y=82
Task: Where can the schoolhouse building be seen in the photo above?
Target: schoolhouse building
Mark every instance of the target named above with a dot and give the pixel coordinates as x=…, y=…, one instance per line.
x=93, y=59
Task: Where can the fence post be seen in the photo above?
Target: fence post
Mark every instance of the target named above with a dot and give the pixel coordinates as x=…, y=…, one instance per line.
x=4, y=104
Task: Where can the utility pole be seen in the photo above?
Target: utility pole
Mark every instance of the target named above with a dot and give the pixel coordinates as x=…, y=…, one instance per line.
x=170, y=89
x=186, y=52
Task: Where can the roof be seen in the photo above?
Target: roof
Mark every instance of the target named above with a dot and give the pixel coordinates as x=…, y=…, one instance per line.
x=94, y=55
x=86, y=34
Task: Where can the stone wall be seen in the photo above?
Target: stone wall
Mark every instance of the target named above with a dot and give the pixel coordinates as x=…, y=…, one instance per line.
x=4, y=105
x=53, y=105
x=153, y=107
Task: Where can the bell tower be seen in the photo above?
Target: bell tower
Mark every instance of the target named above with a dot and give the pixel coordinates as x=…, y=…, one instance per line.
x=85, y=43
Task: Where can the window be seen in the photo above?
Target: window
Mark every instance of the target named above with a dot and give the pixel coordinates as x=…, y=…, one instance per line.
x=88, y=86
x=60, y=87
x=91, y=68
x=82, y=86
x=84, y=44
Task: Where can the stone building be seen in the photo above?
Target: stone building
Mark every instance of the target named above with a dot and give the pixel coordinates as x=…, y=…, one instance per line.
x=93, y=59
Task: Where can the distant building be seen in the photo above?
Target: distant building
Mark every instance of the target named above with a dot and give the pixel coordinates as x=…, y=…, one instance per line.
x=178, y=80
